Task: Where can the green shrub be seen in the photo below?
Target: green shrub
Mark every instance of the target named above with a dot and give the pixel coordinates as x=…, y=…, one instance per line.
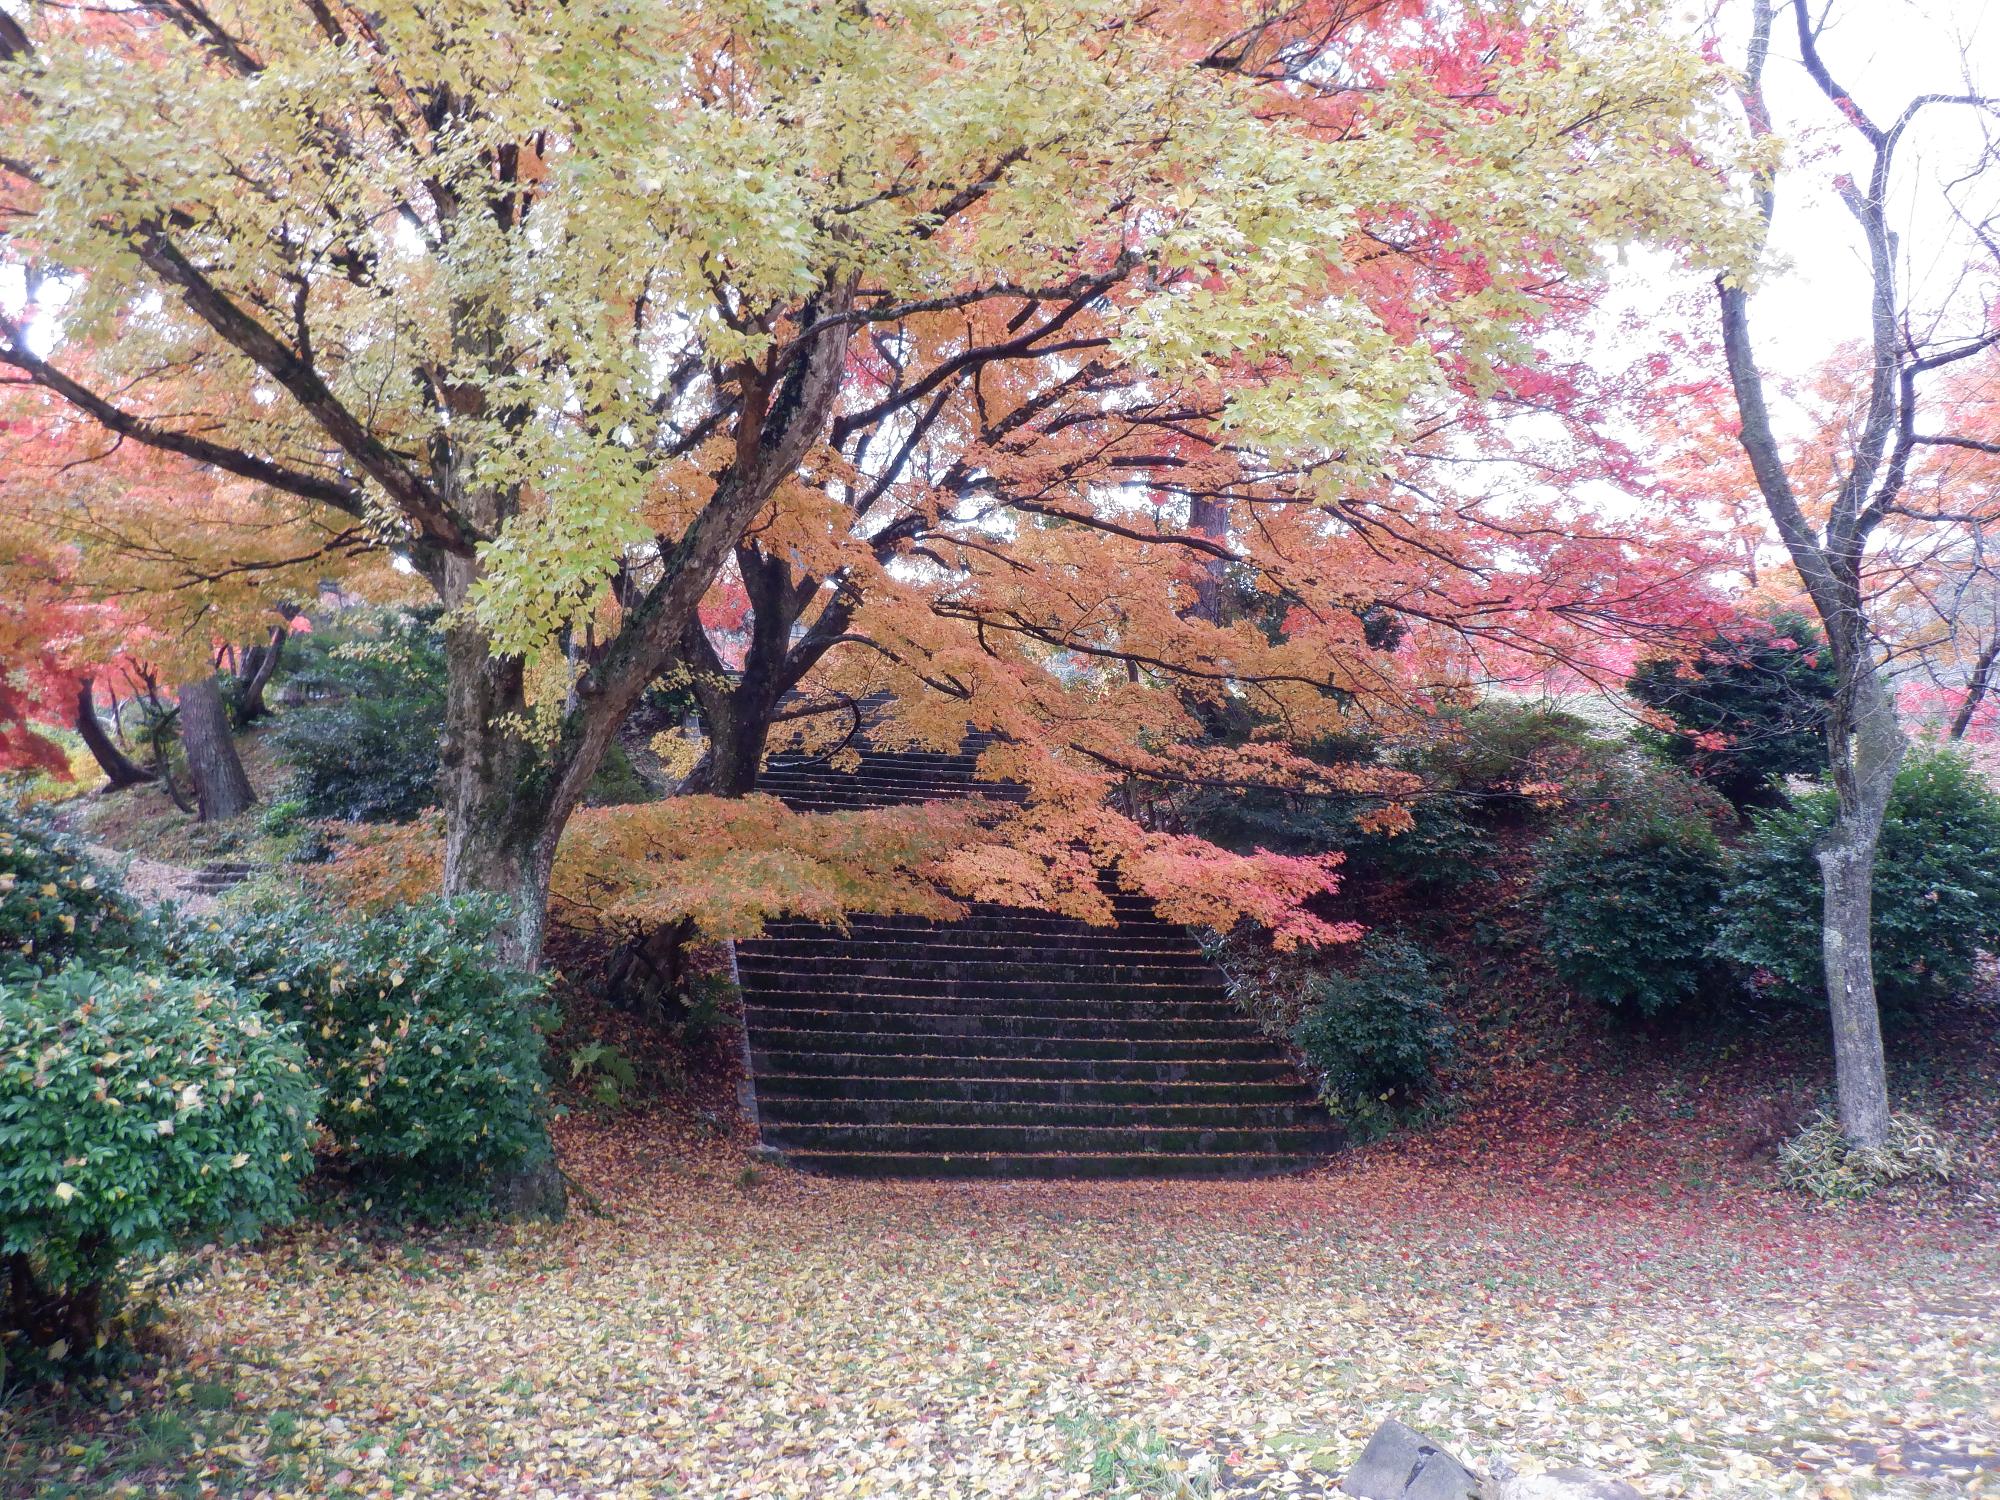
x=1441, y=849
x=56, y=905
x=1377, y=1035
x=1748, y=711
x=617, y=782
x=136, y=1114
x=363, y=745
x=426, y=1046
x=1627, y=890
x=1819, y=1160
x=1500, y=759
x=290, y=833
x=1936, y=893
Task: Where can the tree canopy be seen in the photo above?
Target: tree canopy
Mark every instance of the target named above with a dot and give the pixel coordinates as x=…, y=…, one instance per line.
x=990, y=344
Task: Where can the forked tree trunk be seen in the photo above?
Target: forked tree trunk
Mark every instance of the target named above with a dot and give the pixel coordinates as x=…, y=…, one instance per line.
x=119, y=767
x=221, y=788
x=259, y=662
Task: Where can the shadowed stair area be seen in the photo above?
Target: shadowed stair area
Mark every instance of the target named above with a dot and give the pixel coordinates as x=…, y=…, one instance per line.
x=1008, y=1044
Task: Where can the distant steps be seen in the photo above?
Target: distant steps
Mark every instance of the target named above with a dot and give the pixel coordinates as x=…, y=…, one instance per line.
x=1010, y=1043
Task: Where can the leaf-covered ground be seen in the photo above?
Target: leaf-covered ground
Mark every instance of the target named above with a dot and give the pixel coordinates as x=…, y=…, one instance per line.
x=716, y=1333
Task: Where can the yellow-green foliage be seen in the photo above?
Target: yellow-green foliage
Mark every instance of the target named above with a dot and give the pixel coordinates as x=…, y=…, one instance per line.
x=704, y=173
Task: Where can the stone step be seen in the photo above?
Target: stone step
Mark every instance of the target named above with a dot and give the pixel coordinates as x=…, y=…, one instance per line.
x=851, y=799
x=852, y=1088
x=916, y=762
x=1142, y=1140
x=814, y=802
x=919, y=997
x=1010, y=1043
x=1041, y=1114
x=815, y=1062
x=766, y=984
x=1109, y=945
x=1032, y=926
x=944, y=1044
x=835, y=788
x=764, y=1018
x=831, y=967
x=877, y=778
x=1097, y=942
x=1052, y=1164
x=1049, y=1007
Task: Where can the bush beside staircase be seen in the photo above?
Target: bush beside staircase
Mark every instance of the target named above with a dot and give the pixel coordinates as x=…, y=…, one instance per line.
x=1010, y=1043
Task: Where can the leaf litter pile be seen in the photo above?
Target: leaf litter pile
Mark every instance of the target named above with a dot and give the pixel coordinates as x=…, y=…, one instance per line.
x=714, y=1330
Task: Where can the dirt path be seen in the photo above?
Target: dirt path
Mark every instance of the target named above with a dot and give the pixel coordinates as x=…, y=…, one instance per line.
x=154, y=882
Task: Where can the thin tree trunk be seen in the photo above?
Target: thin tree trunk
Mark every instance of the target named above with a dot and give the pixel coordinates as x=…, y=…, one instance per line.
x=221, y=788
x=116, y=764
x=1847, y=871
x=1866, y=748
x=1976, y=689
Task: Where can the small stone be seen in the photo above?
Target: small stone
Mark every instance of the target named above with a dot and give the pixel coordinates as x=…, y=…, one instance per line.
x=1400, y=1463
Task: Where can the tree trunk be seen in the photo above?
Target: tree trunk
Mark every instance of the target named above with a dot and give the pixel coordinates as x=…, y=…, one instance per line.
x=500, y=824
x=116, y=764
x=1210, y=519
x=259, y=662
x=1976, y=689
x=1847, y=872
x=221, y=788
x=1866, y=748
x=736, y=738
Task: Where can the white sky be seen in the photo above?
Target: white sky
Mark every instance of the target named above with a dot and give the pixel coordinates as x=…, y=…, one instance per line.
x=1886, y=51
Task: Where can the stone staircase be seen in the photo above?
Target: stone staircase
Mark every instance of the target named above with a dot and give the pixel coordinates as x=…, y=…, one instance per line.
x=1010, y=1043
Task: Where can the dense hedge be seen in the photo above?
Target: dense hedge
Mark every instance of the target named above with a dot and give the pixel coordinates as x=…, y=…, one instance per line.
x=136, y=1113
x=56, y=904
x=1378, y=1034
x=1936, y=893
x=1627, y=889
x=425, y=1044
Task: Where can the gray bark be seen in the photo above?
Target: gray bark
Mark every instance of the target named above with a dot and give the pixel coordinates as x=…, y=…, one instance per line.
x=221, y=788
x=1866, y=748
x=1864, y=742
x=500, y=821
